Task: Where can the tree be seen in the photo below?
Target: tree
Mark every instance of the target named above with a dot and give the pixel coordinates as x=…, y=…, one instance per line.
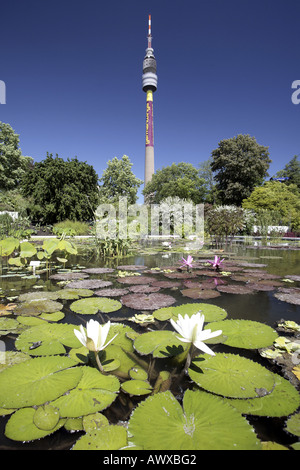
x=278, y=198
x=240, y=164
x=13, y=164
x=291, y=171
x=118, y=180
x=61, y=190
x=181, y=180
x=206, y=173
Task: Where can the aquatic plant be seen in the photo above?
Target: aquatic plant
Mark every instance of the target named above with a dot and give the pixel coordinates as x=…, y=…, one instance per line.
x=167, y=383
x=217, y=262
x=94, y=338
x=191, y=331
x=188, y=263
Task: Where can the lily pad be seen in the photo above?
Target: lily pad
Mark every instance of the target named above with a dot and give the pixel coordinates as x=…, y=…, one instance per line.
x=166, y=284
x=112, y=437
x=293, y=425
x=143, y=289
x=94, y=392
x=98, y=270
x=160, y=344
x=235, y=289
x=282, y=401
x=147, y=301
x=92, y=305
x=72, y=294
x=204, y=423
x=35, y=296
x=21, y=426
x=9, y=358
x=135, y=280
x=196, y=293
x=245, y=333
x=231, y=375
x=292, y=298
x=46, y=417
x=136, y=387
x=88, y=284
x=132, y=267
x=47, y=339
x=36, y=307
x=37, y=381
x=260, y=287
x=68, y=276
x=211, y=312
x=111, y=292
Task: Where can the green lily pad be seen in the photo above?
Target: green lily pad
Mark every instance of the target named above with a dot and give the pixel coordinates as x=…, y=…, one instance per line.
x=9, y=358
x=204, y=423
x=138, y=374
x=8, y=325
x=245, y=333
x=72, y=294
x=94, y=421
x=92, y=305
x=112, y=437
x=231, y=375
x=94, y=392
x=46, y=417
x=161, y=344
x=21, y=427
x=35, y=296
x=35, y=307
x=293, y=424
x=37, y=381
x=211, y=312
x=282, y=401
x=47, y=339
x=136, y=387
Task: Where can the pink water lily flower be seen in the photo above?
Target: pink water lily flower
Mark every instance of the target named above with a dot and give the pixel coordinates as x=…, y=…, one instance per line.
x=187, y=262
x=217, y=262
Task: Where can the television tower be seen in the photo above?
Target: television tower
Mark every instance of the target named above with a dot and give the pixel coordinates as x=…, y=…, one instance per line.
x=149, y=86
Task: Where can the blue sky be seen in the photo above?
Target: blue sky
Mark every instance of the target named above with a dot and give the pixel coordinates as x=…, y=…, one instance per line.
x=73, y=72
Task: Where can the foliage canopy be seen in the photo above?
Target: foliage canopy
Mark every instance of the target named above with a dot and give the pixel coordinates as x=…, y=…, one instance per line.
x=181, y=180
x=240, y=164
x=61, y=189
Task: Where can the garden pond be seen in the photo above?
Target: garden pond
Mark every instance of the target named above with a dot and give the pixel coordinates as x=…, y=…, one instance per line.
x=246, y=396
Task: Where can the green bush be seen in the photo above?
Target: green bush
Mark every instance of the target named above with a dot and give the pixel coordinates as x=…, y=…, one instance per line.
x=71, y=228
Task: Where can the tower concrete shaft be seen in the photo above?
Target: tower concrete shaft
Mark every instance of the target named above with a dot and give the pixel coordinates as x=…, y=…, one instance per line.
x=149, y=87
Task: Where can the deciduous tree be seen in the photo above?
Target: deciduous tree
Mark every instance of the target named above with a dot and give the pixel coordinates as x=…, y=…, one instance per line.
x=240, y=164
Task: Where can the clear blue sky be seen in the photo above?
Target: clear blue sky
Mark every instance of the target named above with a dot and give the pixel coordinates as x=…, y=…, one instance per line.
x=73, y=71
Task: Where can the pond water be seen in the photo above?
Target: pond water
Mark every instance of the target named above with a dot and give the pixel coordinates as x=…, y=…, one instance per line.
x=269, y=271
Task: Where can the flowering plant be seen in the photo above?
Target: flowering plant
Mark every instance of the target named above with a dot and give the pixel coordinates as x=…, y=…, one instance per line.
x=191, y=331
x=187, y=262
x=217, y=262
x=94, y=338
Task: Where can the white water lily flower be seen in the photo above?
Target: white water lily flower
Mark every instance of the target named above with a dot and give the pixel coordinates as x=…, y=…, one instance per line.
x=95, y=335
x=191, y=330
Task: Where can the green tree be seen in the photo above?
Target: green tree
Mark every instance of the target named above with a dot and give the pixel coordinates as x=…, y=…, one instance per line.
x=178, y=180
x=240, y=164
x=13, y=164
x=61, y=190
x=291, y=171
x=278, y=198
x=206, y=173
x=118, y=180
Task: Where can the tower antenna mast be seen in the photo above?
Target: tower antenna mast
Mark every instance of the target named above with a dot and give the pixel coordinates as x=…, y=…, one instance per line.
x=149, y=87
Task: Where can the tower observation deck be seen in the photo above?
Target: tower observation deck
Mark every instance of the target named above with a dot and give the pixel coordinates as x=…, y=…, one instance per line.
x=149, y=80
